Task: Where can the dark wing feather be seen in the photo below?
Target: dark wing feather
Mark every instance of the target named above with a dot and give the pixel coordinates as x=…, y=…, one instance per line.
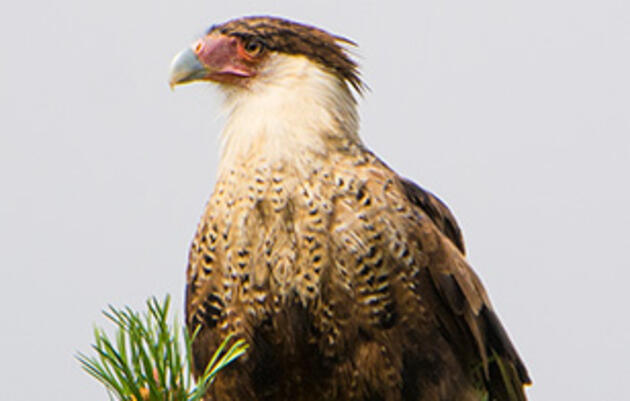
x=467, y=307
x=436, y=210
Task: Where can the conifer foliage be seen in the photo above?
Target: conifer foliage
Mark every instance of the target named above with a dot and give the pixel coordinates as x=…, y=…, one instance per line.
x=145, y=359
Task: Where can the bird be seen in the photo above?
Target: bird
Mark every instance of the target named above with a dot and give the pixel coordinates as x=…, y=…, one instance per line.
x=348, y=281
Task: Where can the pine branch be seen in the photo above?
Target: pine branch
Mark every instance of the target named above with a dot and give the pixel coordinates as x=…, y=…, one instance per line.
x=144, y=359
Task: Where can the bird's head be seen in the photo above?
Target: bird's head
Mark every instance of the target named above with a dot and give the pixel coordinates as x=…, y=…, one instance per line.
x=288, y=88
x=240, y=52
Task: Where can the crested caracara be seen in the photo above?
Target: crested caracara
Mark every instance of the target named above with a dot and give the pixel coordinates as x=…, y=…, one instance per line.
x=348, y=281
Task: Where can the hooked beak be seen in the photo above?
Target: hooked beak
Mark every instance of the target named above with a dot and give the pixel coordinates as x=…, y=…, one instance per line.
x=213, y=58
x=186, y=67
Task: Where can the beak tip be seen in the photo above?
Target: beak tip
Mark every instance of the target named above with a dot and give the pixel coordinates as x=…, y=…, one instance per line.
x=186, y=67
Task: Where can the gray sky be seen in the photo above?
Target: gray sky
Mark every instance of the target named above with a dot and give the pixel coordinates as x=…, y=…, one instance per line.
x=516, y=113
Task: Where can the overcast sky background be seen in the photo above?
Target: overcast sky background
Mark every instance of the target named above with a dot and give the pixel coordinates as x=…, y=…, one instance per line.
x=516, y=113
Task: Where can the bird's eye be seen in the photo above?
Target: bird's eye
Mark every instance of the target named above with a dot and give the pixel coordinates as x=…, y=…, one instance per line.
x=254, y=47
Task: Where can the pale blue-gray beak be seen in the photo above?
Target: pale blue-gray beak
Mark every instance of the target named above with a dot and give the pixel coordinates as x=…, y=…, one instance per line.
x=185, y=68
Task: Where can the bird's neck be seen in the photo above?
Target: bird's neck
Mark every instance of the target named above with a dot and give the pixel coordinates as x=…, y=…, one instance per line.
x=289, y=116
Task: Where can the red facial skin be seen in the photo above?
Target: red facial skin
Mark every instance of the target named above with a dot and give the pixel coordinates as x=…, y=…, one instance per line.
x=226, y=59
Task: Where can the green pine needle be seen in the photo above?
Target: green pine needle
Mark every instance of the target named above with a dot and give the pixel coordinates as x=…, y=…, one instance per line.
x=144, y=361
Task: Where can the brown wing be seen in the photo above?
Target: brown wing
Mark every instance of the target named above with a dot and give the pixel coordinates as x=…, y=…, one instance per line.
x=436, y=210
x=465, y=305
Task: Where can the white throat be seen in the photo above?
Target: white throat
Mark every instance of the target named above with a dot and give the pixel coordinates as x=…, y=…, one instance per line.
x=292, y=109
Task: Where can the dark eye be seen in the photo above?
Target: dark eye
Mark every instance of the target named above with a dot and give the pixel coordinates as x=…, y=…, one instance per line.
x=254, y=47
